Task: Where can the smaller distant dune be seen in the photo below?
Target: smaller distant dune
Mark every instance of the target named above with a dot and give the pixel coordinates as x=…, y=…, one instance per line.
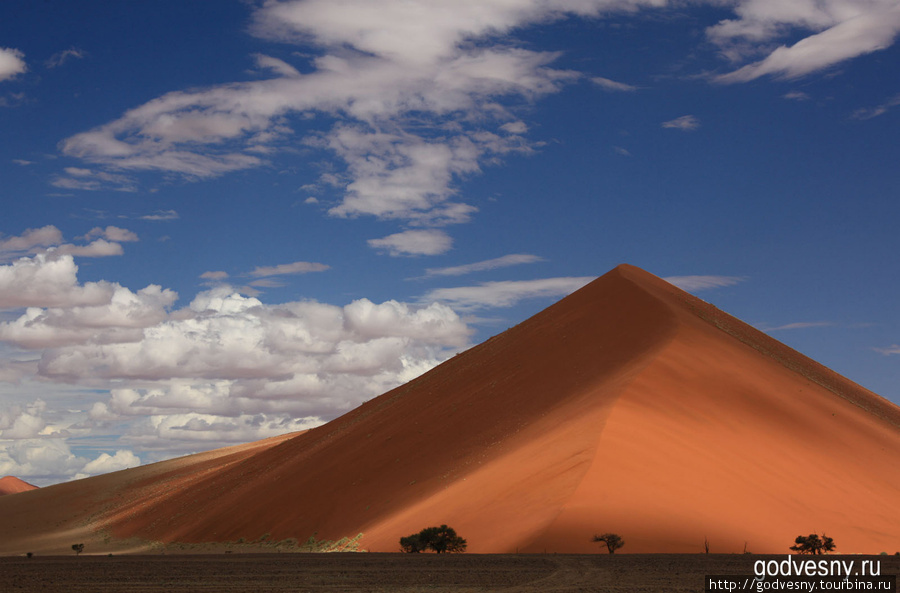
x=13, y=485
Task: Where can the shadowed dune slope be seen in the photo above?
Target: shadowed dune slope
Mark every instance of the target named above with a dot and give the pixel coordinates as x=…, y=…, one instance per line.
x=629, y=406
x=13, y=485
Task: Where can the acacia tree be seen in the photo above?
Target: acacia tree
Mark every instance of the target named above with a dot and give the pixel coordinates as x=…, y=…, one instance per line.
x=441, y=539
x=412, y=544
x=78, y=548
x=612, y=540
x=813, y=544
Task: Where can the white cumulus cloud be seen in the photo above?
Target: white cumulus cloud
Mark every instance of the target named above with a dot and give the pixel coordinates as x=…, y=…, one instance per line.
x=47, y=281
x=45, y=461
x=12, y=63
x=120, y=319
x=226, y=368
x=106, y=463
x=23, y=422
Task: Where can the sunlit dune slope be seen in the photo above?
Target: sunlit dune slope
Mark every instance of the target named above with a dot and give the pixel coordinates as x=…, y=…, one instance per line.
x=13, y=485
x=51, y=519
x=629, y=406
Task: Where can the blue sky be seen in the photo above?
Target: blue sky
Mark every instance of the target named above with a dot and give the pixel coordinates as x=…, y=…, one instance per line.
x=226, y=220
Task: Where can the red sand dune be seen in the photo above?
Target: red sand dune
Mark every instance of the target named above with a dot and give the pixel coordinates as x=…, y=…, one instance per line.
x=629, y=406
x=13, y=485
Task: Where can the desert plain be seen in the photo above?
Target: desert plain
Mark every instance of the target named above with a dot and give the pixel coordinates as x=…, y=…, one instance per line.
x=380, y=573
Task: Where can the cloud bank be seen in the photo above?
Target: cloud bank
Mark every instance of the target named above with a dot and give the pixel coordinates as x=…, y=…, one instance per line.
x=226, y=368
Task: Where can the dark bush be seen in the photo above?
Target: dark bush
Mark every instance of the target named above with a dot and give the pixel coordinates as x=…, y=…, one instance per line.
x=412, y=544
x=612, y=540
x=813, y=544
x=441, y=539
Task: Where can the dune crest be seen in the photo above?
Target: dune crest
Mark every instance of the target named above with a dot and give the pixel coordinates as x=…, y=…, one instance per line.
x=629, y=406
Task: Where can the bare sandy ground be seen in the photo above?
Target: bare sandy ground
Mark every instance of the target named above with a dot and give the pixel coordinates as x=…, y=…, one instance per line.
x=377, y=573
x=629, y=406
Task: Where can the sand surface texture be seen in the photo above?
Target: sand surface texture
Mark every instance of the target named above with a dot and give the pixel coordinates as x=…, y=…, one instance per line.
x=629, y=406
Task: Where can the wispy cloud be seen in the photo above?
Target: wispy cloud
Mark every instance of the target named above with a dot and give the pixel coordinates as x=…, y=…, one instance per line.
x=505, y=261
x=612, y=85
x=214, y=275
x=298, y=267
x=696, y=283
x=267, y=283
x=892, y=349
x=799, y=325
x=685, y=123
x=112, y=233
x=844, y=29
x=418, y=100
x=161, y=215
x=48, y=240
x=392, y=96
x=92, y=180
x=870, y=112
x=96, y=248
x=279, y=67
x=60, y=58
x=505, y=294
x=796, y=96
x=424, y=242
x=45, y=236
